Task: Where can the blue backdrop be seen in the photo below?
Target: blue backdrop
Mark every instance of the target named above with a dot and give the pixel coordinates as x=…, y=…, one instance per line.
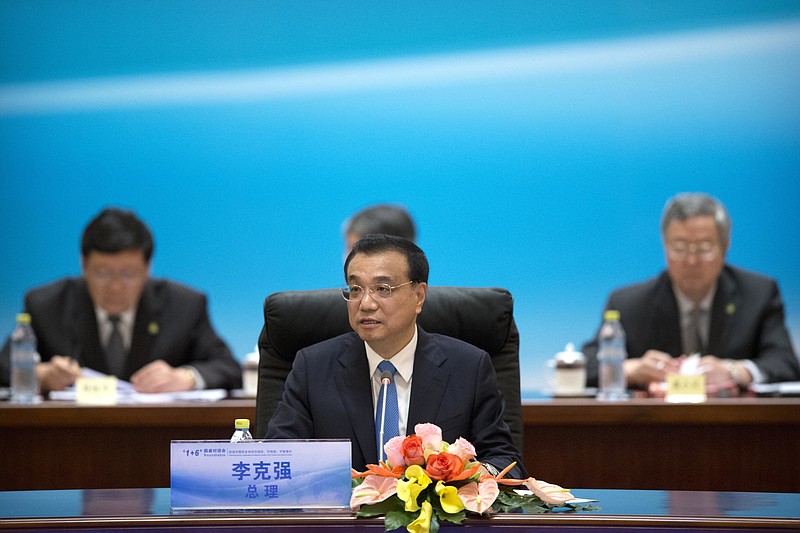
x=535, y=143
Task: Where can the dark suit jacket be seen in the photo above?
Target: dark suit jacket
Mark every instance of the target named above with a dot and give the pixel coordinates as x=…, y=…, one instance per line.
x=171, y=324
x=328, y=395
x=747, y=322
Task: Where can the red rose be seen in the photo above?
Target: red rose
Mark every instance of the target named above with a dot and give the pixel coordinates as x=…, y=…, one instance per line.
x=444, y=466
x=413, y=453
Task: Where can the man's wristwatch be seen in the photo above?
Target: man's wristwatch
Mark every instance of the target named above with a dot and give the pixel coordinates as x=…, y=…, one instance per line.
x=733, y=370
x=492, y=470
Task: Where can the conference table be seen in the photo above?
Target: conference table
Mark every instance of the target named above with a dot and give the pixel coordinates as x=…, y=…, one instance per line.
x=148, y=509
x=730, y=444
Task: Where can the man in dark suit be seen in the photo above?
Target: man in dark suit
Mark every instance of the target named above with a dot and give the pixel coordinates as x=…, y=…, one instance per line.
x=117, y=320
x=732, y=317
x=334, y=387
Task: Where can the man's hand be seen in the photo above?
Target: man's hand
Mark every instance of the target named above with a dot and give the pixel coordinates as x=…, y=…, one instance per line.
x=58, y=373
x=724, y=372
x=653, y=366
x=159, y=376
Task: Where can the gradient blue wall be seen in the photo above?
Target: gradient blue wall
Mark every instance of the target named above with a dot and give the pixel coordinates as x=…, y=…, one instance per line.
x=535, y=143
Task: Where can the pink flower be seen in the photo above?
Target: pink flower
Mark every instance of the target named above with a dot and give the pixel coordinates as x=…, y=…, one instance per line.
x=394, y=451
x=463, y=448
x=479, y=497
x=431, y=435
x=548, y=492
x=374, y=489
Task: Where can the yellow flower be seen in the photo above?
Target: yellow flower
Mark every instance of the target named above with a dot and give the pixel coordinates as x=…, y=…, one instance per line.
x=448, y=496
x=423, y=522
x=408, y=491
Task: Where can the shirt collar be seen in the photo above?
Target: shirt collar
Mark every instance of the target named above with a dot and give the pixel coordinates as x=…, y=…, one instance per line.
x=125, y=318
x=685, y=305
x=403, y=360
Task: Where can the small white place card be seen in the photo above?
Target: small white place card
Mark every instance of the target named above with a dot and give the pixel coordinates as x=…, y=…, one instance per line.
x=96, y=390
x=268, y=474
x=686, y=388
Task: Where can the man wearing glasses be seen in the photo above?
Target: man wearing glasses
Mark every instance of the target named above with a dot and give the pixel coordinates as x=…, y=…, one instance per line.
x=733, y=318
x=117, y=320
x=336, y=388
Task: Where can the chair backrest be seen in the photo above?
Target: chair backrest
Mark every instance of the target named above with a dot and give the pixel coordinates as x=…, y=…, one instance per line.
x=483, y=317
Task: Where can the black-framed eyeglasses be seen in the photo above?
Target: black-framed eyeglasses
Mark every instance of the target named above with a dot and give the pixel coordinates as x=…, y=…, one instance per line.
x=353, y=293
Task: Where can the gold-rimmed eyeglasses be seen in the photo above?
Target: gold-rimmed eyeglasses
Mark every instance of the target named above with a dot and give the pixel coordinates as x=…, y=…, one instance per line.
x=703, y=250
x=353, y=293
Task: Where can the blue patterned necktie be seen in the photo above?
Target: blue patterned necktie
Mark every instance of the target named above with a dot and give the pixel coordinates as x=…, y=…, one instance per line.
x=391, y=424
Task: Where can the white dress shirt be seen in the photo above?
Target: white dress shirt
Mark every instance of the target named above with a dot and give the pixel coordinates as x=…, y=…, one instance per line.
x=403, y=361
x=104, y=326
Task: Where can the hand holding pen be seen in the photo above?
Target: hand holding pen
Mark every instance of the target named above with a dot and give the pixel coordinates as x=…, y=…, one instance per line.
x=58, y=373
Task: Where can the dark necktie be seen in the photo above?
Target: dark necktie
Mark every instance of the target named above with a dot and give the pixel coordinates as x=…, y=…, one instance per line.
x=694, y=340
x=115, y=349
x=391, y=424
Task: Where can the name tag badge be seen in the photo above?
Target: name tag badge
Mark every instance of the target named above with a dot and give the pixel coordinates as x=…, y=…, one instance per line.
x=686, y=388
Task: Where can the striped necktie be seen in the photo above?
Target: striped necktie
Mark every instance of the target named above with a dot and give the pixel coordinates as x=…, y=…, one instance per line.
x=115, y=349
x=694, y=339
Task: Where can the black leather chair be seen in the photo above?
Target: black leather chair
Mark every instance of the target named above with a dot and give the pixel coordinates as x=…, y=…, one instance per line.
x=483, y=317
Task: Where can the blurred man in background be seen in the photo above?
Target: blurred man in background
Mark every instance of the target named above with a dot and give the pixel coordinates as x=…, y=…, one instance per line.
x=117, y=320
x=381, y=218
x=732, y=317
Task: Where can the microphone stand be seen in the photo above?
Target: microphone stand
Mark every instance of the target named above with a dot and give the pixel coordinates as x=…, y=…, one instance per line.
x=386, y=378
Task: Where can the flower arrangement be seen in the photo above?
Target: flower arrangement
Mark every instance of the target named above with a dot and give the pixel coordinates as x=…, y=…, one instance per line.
x=425, y=480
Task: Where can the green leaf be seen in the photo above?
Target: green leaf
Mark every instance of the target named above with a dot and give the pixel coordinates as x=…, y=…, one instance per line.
x=434, y=524
x=397, y=520
x=392, y=503
x=455, y=518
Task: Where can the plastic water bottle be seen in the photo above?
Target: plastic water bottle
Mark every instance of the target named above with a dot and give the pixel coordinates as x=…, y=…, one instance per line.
x=611, y=355
x=241, y=433
x=24, y=358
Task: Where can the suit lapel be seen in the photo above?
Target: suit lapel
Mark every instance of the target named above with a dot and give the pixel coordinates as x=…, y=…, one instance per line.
x=143, y=340
x=87, y=348
x=667, y=319
x=428, y=382
x=355, y=390
x=722, y=308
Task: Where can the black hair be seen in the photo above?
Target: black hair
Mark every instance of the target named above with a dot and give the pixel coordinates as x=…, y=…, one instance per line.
x=377, y=243
x=116, y=230
x=382, y=218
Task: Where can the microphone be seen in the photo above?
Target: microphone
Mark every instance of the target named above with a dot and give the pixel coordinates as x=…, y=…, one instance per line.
x=386, y=379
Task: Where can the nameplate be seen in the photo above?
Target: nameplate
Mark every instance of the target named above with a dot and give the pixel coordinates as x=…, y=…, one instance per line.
x=686, y=388
x=270, y=474
x=96, y=390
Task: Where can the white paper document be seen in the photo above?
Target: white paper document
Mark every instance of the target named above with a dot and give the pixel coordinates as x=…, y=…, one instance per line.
x=126, y=394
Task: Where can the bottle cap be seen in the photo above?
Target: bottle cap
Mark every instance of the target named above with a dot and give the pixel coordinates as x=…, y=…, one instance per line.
x=611, y=315
x=23, y=318
x=242, y=423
